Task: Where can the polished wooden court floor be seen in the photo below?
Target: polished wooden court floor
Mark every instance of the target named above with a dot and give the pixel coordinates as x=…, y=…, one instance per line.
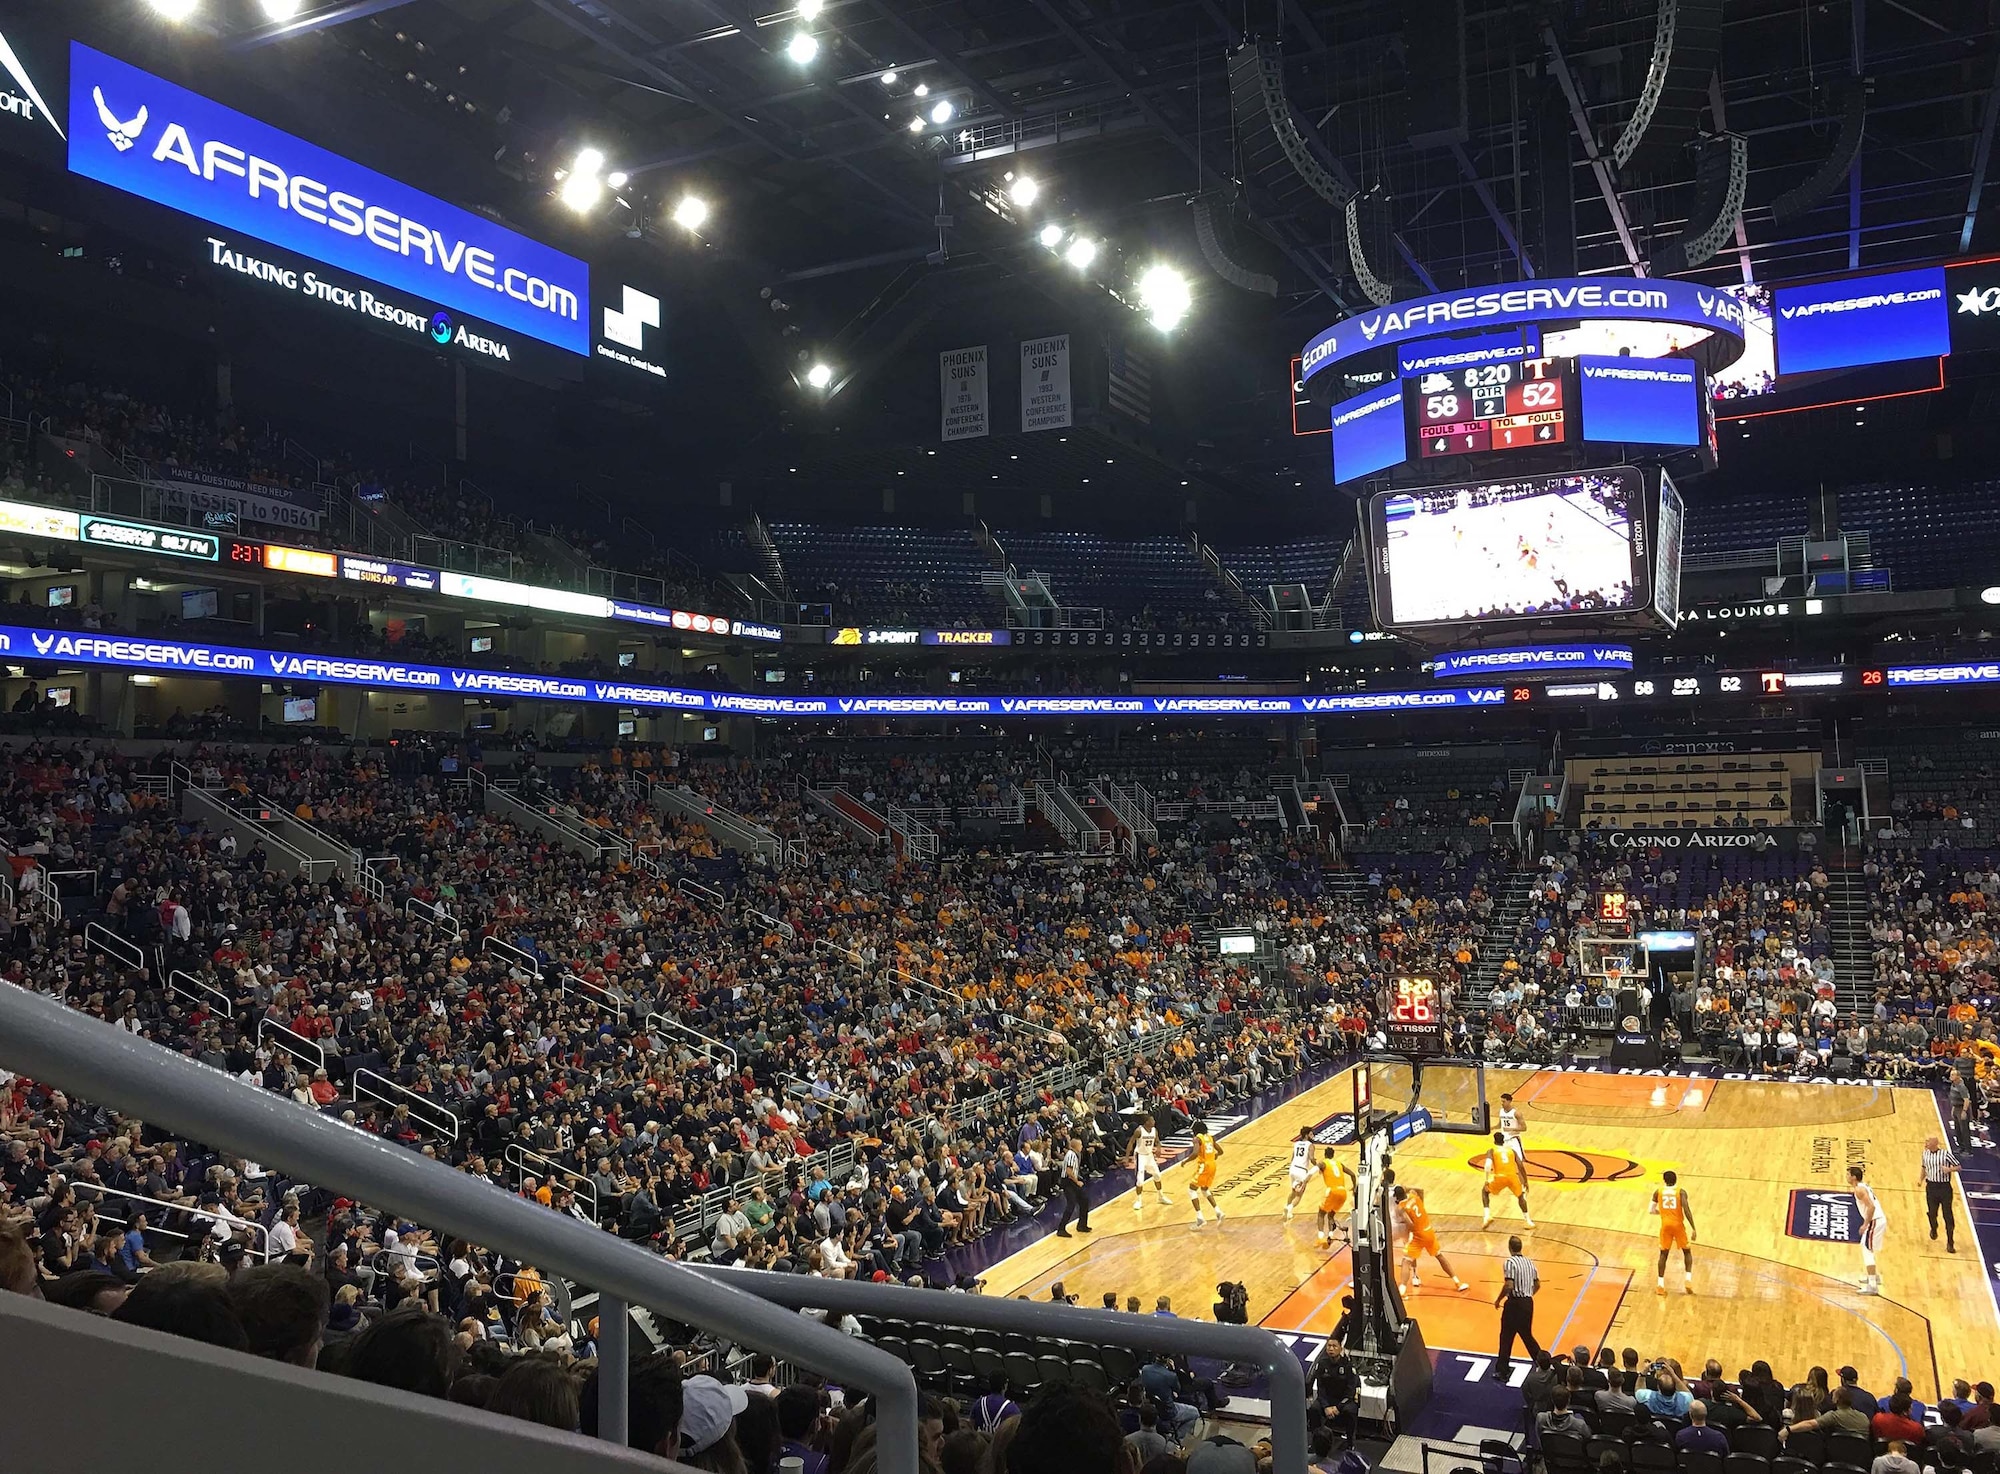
x=1596, y=1146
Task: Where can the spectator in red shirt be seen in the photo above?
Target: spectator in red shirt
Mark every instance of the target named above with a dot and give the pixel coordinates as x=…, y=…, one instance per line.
x=1893, y=1422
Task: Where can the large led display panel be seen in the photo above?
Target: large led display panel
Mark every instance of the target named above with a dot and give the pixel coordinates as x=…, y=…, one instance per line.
x=1859, y=320
x=142, y=134
x=1545, y=545
x=1368, y=433
x=1641, y=401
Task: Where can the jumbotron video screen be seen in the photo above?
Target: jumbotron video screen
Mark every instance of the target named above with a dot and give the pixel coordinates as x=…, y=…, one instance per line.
x=1570, y=544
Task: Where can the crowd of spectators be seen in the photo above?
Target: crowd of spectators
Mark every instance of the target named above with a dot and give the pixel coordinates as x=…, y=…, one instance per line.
x=1588, y=1409
x=870, y=1001
x=867, y=999
x=861, y=1077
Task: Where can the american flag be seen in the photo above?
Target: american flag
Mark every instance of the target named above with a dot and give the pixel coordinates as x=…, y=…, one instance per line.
x=1130, y=387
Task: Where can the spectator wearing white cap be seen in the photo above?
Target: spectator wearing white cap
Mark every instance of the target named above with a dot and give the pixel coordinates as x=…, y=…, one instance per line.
x=708, y=1420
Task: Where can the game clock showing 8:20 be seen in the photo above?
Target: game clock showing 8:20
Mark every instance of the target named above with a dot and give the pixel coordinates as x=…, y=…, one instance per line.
x=1490, y=406
x=1416, y=1017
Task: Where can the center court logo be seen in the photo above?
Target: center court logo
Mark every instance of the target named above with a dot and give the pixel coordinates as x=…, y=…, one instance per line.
x=1573, y=1166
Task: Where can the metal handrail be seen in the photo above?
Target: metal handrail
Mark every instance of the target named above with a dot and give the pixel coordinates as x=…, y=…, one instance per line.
x=190, y=986
x=56, y=875
x=106, y=1065
x=290, y=1041
x=708, y=1047
x=401, y=1095
x=112, y=945
x=701, y=889
x=777, y=924
x=516, y=1156
x=1057, y=1322
x=94, y=1192
x=432, y=914
x=589, y=992
x=527, y=961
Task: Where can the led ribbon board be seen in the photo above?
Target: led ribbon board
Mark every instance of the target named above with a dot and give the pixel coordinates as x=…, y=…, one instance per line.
x=1459, y=665
x=1569, y=299
x=187, y=658
x=145, y=135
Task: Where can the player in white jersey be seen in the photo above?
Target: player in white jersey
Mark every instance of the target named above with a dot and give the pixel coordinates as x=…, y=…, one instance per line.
x=1512, y=1125
x=1144, y=1153
x=1302, y=1167
x=1874, y=1226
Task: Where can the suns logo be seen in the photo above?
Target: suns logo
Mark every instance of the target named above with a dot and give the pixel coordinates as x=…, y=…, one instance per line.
x=1562, y=1165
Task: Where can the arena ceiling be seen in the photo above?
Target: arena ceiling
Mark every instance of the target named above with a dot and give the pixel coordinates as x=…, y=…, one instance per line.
x=869, y=232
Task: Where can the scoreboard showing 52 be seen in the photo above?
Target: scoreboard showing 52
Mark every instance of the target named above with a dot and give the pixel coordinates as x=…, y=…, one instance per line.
x=1490, y=407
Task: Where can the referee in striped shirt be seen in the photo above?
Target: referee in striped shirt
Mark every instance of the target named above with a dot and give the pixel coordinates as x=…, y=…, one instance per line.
x=1939, y=1167
x=1519, y=1279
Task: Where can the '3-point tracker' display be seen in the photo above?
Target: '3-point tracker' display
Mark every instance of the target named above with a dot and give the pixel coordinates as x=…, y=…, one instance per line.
x=1489, y=407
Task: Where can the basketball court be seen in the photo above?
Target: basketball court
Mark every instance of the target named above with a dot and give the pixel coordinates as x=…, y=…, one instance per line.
x=1764, y=1165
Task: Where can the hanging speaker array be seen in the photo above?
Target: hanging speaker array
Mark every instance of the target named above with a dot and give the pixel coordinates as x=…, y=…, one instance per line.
x=1218, y=259
x=1721, y=173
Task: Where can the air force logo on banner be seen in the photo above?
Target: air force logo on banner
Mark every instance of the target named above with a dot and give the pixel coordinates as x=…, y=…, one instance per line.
x=122, y=135
x=627, y=326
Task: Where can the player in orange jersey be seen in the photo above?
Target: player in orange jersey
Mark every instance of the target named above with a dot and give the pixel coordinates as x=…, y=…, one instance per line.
x=1336, y=1183
x=1676, y=1214
x=1423, y=1238
x=1206, y=1154
x=1503, y=1178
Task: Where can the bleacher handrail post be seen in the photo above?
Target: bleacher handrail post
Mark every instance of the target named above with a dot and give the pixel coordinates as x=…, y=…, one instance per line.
x=43, y=1038
x=1061, y=1323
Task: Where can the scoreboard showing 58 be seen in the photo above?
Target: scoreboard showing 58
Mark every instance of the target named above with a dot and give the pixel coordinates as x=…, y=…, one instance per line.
x=1489, y=407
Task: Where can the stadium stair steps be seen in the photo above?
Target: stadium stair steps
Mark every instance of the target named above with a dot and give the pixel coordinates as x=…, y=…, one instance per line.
x=1508, y=908
x=856, y=814
x=1853, y=954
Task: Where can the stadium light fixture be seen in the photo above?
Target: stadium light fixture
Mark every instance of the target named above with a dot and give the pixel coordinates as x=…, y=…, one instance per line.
x=810, y=9
x=1051, y=236
x=581, y=191
x=802, y=48
x=618, y=179
x=174, y=10
x=923, y=89
x=1082, y=251
x=588, y=161
x=1023, y=190
x=889, y=78
x=691, y=213
x=278, y=10
x=916, y=125
x=819, y=375
x=1164, y=294
x=944, y=111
